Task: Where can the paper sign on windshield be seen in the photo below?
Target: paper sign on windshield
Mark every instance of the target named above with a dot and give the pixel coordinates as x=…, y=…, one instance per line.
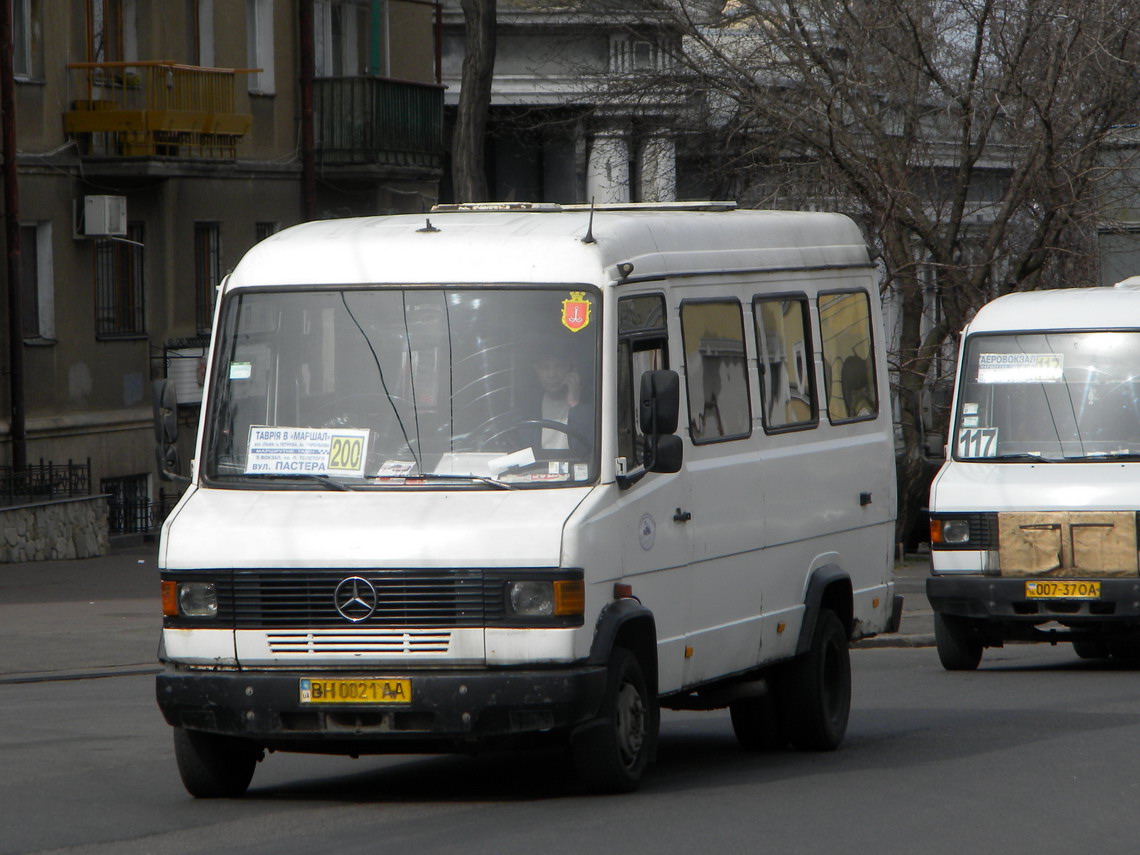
x=1020, y=367
x=311, y=451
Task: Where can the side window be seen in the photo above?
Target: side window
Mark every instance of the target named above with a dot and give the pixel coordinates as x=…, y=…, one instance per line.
x=642, y=346
x=787, y=375
x=716, y=371
x=848, y=356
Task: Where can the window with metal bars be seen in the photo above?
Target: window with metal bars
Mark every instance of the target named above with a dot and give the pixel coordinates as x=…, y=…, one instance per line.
x=207, y=270
x=120, y=309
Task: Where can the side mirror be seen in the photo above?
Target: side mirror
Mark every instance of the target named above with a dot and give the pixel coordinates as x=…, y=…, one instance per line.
x=166, y=430
x=668, y=452
x=660, y=402
x=658, y=408
x=165, y=412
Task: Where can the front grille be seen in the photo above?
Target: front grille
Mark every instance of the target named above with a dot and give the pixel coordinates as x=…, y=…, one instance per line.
x=279, y=599
x=364, y=642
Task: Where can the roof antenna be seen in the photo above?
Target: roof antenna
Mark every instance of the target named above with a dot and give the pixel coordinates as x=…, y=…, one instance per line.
x=589, y=238
x=428, y=228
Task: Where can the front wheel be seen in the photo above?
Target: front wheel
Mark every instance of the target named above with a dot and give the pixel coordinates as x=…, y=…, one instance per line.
x=612, y=752
x=815, y=692
x=214, y=766
x=958, y=648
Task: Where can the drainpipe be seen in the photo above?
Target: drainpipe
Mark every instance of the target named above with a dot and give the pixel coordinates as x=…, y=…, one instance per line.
x=12, y=238
x=308, y=72
x=374, y=41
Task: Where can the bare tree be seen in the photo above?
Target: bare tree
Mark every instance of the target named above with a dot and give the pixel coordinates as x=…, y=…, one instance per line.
x=467, y=171
x=971, y=138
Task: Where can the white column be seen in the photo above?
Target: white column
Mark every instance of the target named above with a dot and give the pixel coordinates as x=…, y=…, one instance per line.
x=658, y=170
x=607, y=171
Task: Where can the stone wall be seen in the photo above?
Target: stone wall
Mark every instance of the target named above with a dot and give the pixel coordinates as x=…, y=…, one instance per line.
x=49, y=531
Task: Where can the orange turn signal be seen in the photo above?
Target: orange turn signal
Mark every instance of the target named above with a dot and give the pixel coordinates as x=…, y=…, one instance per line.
x=569, y=597
x=169, y=599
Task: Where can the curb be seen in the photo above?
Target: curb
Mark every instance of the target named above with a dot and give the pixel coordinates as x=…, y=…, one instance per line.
x=894, y=640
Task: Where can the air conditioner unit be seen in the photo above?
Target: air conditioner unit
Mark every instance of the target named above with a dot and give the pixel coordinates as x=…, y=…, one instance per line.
x=104, y=215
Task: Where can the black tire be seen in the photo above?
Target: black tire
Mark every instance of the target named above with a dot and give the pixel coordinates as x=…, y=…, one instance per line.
x=814, y=698
x=756, y=723
x=958, y=649
x=1091, y=648
x=612, y=752
x=213, y=766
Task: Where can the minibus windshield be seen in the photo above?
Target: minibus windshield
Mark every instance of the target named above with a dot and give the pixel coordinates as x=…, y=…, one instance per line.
x=1049, y=397
x=387, y=387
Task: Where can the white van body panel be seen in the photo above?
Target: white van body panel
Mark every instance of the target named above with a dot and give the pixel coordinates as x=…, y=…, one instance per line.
x=429, y=529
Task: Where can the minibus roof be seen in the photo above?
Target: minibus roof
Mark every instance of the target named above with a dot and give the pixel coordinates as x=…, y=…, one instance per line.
x=1061, y=309
x=520, y=243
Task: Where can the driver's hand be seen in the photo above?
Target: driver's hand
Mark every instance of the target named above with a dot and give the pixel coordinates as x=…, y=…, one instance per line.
x=573, y=388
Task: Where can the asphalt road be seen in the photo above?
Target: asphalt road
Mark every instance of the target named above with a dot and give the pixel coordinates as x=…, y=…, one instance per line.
x=1030, y=754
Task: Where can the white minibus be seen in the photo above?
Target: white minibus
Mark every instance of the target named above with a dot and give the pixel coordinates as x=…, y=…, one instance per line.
x=501, y=473
x=1033, y=515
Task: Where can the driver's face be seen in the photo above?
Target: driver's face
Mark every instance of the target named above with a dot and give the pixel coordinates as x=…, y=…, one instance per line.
x=553, y=374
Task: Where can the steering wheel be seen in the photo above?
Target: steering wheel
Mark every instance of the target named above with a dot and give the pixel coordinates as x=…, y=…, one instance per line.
x=492, y=434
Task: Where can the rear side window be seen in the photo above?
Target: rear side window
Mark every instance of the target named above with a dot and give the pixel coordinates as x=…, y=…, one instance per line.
x=716, y=371
x=787, y=372
x=848, y=356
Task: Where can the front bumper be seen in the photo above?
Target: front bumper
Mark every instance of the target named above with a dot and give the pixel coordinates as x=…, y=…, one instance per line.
x=1003, y=600
x=449, y=709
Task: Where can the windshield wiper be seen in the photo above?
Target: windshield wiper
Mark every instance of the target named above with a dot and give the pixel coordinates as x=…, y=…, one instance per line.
x=1107, y=455
x=439, y=476
x=1020, y=456
x=303, y=476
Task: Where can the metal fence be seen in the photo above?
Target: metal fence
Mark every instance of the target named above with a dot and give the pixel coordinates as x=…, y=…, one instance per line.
x=44, y=481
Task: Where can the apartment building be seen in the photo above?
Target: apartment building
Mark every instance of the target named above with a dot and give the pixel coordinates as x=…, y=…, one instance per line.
x=157, y=141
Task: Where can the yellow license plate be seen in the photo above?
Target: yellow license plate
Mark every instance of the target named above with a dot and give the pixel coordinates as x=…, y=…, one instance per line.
x=1062, y=589
x=370, y=690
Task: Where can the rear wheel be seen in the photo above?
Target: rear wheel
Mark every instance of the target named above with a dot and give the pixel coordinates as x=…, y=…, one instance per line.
x=958, y=649
x=756, y=723
x=214, y=766
x=612, y=752
x=1091, y=648
x=815, y=690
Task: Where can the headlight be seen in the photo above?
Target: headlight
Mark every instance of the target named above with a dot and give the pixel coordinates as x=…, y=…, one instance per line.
x=530, y=598
x=956, y=531
x=198, y=599
x=545, y=598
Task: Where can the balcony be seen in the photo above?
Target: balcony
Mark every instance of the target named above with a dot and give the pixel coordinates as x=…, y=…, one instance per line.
x=155, y=109
x=378, y=121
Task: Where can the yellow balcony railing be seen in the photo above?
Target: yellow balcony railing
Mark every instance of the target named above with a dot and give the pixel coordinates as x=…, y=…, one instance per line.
x=155, y=109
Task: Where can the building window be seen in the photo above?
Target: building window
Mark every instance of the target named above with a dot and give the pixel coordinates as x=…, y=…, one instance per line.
x=22, y=39
x=630, y=54
x=349, y=41
x=200, y=30
x=848, y=356
x=259, y=45
x=119, y=306
x=207, y=271
x=262, y=230
x=112, y=31
x=716, y=371
x=787, y=370
x=37, y=282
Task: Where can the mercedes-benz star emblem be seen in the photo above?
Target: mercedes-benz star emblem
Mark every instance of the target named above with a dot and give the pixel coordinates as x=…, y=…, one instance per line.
x=355, y=599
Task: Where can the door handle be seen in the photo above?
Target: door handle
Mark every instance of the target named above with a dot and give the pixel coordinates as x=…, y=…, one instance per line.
x=682, y=516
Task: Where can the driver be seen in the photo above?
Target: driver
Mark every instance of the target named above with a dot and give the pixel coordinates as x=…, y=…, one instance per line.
x=562, y=402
